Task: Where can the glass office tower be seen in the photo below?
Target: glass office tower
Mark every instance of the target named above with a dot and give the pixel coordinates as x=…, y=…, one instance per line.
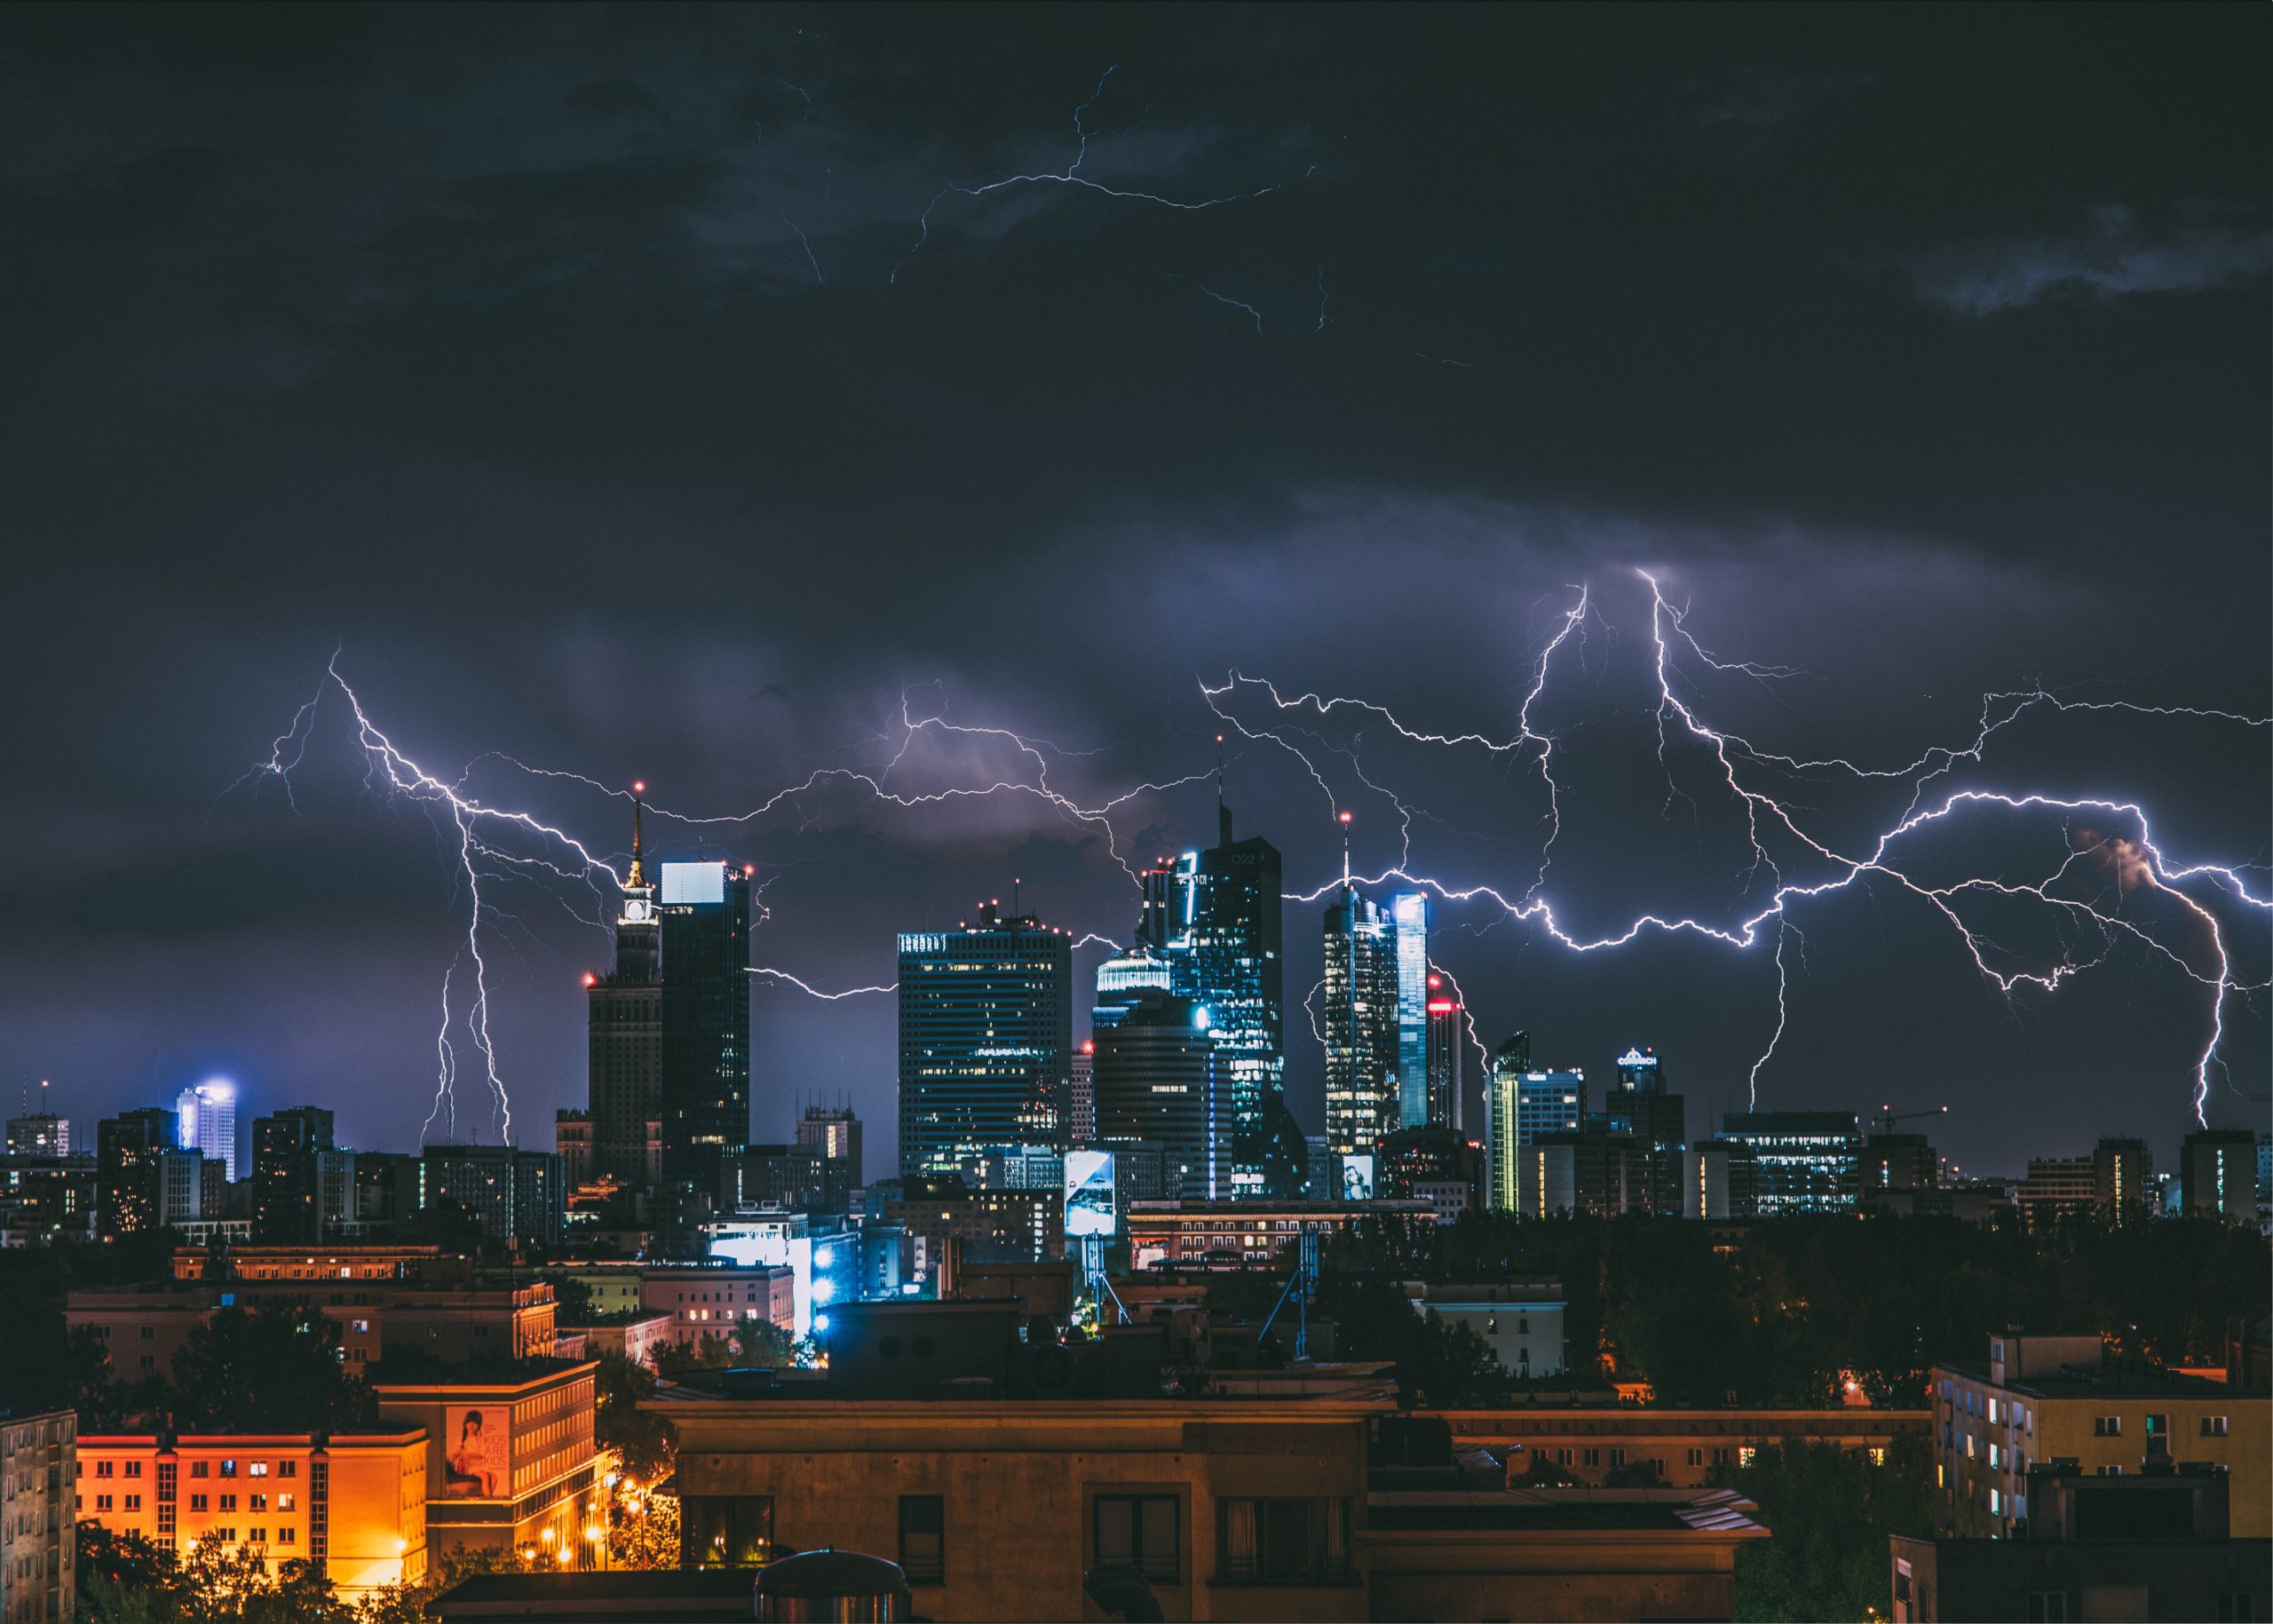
x=704, y=917
x=1447, y=1041
x=1408, y=912
x=985, y=1036
x=1363, y=1091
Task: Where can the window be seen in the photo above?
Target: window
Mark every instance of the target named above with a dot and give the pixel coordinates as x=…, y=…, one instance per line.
x=2157, y=1426
x=256, y=1502
x=228, y=1502
x=1142, y=1530
x=149, y=1333
x=1878, y=1454
x=103, y=1468
x=286, y=1502
x=726, y=1530
x=198, y=1469
x=197, y=1502
x=288, y=1536
x=288, y=1469
x=257, y=1536
x=2107, y=1426
x=2213, y=1426
x=1618, y=1457
x=1283, y=1542
x=134, y=1469
x=2048, y=1607
x=1697, y=1457
x=2234, y=1607
x=257, y=1469
x=1593, y=1457
x=922, y=1537
x=134, y=1503
x=228, y=1469
x=102, y=1503
x=1745, y=1452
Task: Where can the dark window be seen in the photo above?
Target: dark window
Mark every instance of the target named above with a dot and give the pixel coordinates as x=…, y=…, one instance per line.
x=1143, y=1531
x=2048, y=1607
x=2234, y=1607
x=923, y=1537
x=725, y=1531
x=1282, y=1541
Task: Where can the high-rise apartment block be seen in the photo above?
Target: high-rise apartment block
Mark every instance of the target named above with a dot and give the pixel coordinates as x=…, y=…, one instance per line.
x=287, y=1183
x=128, y=1148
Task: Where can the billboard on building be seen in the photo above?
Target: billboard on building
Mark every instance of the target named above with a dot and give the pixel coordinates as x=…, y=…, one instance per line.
x=479, y=1463
x=1089, y=1192
x=696, y=883
x=1357, y=1178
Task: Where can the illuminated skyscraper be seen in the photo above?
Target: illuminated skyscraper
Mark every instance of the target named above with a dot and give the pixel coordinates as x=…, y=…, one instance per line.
x=208, y=1116
x=129, y=1169
x=623, y=1014
x=1156, y=1077
x=1363, y=1093
x=1123, y=980
x=1510, y=1062
x=1447, y=1039
x=1216, y=917
x=704, y=914
x=1408, y=912
x=1638, y=1105
x=985, y=1034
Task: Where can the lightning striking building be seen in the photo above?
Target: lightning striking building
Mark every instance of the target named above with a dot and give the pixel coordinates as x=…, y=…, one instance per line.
x=986, y=1038
x=624, y=1028
x=1408, y=914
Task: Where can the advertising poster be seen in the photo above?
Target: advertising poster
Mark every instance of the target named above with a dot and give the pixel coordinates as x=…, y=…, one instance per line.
x=478, y=1438
x=1356, y=1178
x=1089, y=1192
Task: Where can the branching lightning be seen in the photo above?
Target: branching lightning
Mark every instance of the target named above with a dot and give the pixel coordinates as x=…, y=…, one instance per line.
x=1790, y=862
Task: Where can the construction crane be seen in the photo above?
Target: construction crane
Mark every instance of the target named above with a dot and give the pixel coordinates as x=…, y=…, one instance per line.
x=1888, y=1116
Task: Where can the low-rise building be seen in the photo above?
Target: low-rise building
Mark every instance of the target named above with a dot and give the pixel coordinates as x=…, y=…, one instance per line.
x=1681, y=1448
x=1240, y=1234
x=353, y=1504
x=38, y=1472
x=2044, y=1398
x=633, y=1335
x=510, y=1463
x=2151, y=1545
x=1521, y=1322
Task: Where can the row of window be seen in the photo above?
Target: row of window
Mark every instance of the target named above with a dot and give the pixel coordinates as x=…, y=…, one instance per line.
x=1285, y=1541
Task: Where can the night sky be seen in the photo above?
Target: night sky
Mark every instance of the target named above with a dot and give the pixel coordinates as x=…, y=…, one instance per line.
x=594, y=382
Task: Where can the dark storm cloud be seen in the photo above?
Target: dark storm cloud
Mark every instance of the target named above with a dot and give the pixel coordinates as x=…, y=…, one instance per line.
x=597, y=383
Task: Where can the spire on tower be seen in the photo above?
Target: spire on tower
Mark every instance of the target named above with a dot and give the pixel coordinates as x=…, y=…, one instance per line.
x=638, y=877
x=1345, y=850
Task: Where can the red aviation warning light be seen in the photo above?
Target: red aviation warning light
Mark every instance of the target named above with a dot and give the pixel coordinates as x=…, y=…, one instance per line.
x=639, y=786
x=590, y=979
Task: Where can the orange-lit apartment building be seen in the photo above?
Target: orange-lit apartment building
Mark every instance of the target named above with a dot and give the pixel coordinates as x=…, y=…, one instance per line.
x=427, y=1264
x=1236, y=1234
x=508, y=1463
x=355, y=1504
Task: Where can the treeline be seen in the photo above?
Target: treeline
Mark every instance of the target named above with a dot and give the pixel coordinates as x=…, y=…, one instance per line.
x=1779, y=1312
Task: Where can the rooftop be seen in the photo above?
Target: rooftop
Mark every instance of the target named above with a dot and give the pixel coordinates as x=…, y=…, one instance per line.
x=2109, y=1379
x=683, y=1593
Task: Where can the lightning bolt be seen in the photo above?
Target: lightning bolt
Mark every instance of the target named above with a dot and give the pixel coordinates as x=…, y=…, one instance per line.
x=1770, y=820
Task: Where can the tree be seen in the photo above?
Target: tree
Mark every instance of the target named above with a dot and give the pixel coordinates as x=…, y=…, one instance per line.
x=1830, y=1510
x=572, y=1298
x=763, y=1345
x=274, y=1369
x=406, y=1603
x=642, y=1440
x=674, y=1360
x=643, y=1531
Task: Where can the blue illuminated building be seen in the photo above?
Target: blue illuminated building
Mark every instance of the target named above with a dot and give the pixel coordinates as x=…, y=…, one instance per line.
x=1408, y=912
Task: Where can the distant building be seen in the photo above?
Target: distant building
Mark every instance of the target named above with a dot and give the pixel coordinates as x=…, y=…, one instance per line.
x=514, y=1194
x=1719, y=1180
x=1898, y=1161
x=1521, y=1322
x=986, y=1225
x=1408, y=914
x=1156, y=1076
x=44, y=1199
x=835, y=1132
x=2218, y=1170
x=39, y=1136
x=624, y=1045
x=704, y=916
x=1447, y=1046
x=1436, y=1164
x=1123, y=979
x=572, y=1142
x=207, y=1118
x=38, y=1516
x=128, y=1148
x=1803, y=1160
x=2043, y=1399
x=985, y=1032
x=1244, y=1234
x=353, y=1505
x=1085, y=1099
x=287, y=1181
x=1363, y=1086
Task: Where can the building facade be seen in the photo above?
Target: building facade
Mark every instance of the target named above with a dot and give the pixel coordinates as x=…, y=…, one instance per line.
x=623, y=1016
x=355, y=1505
x=1156, y=1075
x=985, y=1033
x=507, y=1464
x=128, y=1148
x=38, y=1493
x=286, y=1186
x=1803, y=1160
x=1364, y=1092
x=207, y=1118
x=1446, y=1057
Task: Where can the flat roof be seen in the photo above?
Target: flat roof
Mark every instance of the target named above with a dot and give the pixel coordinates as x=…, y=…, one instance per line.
x=1719, y=1512
x=2111, y=1381
x=672, y=1593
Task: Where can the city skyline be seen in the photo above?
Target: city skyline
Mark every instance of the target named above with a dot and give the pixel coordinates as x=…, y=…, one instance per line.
x=1968, y=418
